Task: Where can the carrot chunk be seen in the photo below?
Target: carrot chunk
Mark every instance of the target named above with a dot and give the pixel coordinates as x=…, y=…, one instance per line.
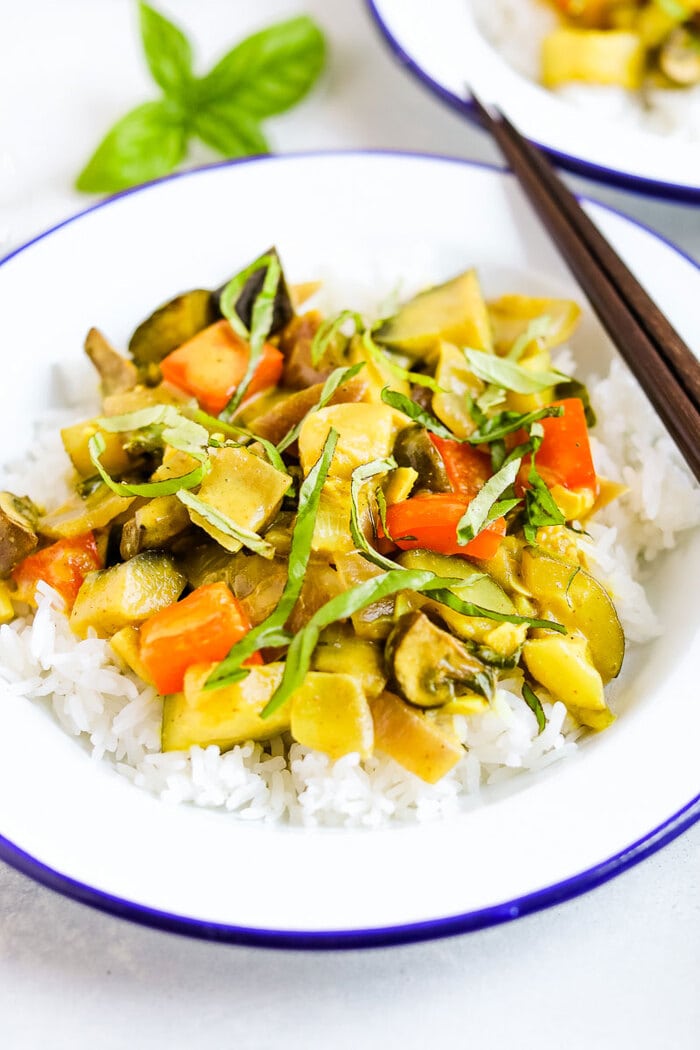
x=64, y=565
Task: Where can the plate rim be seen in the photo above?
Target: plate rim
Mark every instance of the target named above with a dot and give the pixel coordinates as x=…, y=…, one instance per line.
x=639, y=184
x=384, y=936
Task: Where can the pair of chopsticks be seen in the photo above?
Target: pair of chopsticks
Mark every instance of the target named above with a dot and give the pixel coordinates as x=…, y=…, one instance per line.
x=667, y=370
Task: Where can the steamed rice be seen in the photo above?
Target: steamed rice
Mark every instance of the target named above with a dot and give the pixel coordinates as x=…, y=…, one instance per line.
x=118, y=718
x=516, y=29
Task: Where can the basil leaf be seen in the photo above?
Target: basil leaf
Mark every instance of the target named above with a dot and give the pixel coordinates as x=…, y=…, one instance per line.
x=540, y=507
x=147, y=143
x=439, y=590
x=382, y=357
x=270, y=71
x=509, y=375
x=381, y=507
x=533, y=702
x=227, y=671
x=413, y=410
x=224, y=524
x=537, y=329
x=508, y=422
x=329, y=329
x=260, y=320
x=337, y=377
x=176, y=430
x=169, y=487
x=360, y=476
x=215, y=425
x=229, y=130
x=167, y=50
x=476, y=515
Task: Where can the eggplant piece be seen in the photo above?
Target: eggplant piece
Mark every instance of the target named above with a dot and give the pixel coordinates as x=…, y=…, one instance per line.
x=283, y=310
x=432, y=668
x=171, y=325
x=413, y=448
x=340, y=651
x=295, y=343
x=275, y=420
x=454, y=311
x=117, y=374
x=127, y=594
x=18, y=523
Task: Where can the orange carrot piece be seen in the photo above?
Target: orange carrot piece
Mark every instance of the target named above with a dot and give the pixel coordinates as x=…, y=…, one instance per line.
x=211, y=365
x=64, y=565
x=201, y=628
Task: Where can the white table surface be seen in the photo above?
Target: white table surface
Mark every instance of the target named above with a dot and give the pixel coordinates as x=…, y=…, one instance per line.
x=616, y=967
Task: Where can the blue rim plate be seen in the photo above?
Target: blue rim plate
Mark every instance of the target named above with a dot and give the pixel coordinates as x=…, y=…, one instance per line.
x=440, y=45
x=77, y=827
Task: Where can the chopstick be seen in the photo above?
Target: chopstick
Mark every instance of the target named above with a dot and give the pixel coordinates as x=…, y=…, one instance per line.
x=665, y=367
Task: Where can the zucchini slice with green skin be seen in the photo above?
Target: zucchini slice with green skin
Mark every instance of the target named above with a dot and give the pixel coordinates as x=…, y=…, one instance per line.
x=430, y=667
x=171, y=325
x=479, y=588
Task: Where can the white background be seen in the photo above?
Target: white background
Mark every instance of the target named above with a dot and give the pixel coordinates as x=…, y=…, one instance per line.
x=617, y=967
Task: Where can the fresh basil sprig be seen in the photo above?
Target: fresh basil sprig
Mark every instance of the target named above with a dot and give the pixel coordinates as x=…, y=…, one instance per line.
x=265, y=74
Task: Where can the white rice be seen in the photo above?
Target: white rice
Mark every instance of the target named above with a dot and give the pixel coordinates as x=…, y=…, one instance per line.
x=516, y=29
x=118, y=718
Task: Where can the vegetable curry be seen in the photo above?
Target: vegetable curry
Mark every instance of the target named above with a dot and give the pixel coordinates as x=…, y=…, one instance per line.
x=342, y=531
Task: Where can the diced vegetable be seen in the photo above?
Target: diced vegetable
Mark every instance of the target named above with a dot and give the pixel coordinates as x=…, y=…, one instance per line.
x=115, y=459
x=458, y=385
x=375, y=621
x=511, y=316
x=365, y=432
x=282, y=311
x=171, y=325
x=63, y=565
x=7, y=609
x=454, y=311
x=341, y=651
x=126, y=594
x=117, y=374
x=18, y=522
x=330, y=713
x=77, y=515
x=467, y=469
x=576, y=599
x=593, y=56
x=244, y=488
x=414, y=448
x=431, y=522
x=430, y=667
x=413, y=740
x=295, y=343
x=226, y=716
x=565, y=453
x=202, y=627
x=154, y=525
x=211, y=365
x=126, y=645
x=562, y=664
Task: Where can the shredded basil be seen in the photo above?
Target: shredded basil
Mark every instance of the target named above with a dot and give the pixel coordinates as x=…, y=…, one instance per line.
x=505, y=423
x=381, y=507
x=329, y=329
x=478, y=513
x=381, y=357
x=533, y=702
x=510, y=376
x=337, y=377
x=168, y=487
x=359, y=476
x=230, y=669
x=229, y=428
x=539, y=328
x=413, y=410
x=260, y=321
x=224, y=524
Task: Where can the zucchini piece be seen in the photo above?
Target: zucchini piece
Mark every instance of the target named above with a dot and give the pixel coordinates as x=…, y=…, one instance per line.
x=77, y=515
x=18, y=523
x=563, y=665
x=340, y=651
x=171, y=325
x=225, y=717
x=127, y=594
x=460, y=385
x=431, y=667
x=330, y=713
x=413, y=740
x=575, y=598
x=413, y=448
x=454, y=311
x=244, y=488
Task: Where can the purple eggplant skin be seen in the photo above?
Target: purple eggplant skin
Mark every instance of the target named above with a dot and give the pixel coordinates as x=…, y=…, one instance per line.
x=283, y=310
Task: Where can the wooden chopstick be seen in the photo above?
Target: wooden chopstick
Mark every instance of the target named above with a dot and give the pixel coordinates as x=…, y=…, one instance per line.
x=665, y=367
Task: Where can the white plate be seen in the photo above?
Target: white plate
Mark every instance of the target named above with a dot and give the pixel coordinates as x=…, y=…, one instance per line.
x=441, y=44
x=78, y=826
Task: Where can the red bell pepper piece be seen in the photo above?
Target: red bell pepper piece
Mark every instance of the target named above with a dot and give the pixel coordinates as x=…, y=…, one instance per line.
x=467, y=469
x=431, y=522
x=212, y=363
x=64, y=565
x=564, y=457
x=201, y=628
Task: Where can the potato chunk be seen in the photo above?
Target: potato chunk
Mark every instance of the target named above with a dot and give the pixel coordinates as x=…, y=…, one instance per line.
x=330, y=713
